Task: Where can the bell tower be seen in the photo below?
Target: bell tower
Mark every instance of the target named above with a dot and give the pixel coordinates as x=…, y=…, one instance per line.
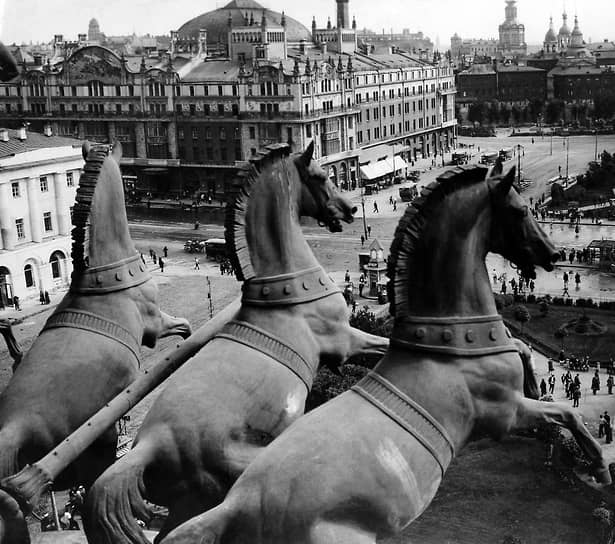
x=343, y=17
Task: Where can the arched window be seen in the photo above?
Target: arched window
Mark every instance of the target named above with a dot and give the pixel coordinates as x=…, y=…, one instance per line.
x=56, y=266
x=6, y=287
x=28, y=273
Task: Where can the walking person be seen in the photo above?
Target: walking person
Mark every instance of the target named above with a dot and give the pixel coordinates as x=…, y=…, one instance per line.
x=347, y=276
x=543, y=387
x=601, y=426
x=595, y=382
x=577, y=280
x=369, y=231
x=154, y=257
x=47, y=298
x=608, y=430
x=532, y=286
x=576, y=395
x=565, y=277
x=16, y=303
x=565, y=293
x=609, y=384
x=196, y=263
x=375, y=207
x=165, y=250
x=161, y=264
x=41, y=297
x=551, y=383
x=361, y=284
x=362, y=240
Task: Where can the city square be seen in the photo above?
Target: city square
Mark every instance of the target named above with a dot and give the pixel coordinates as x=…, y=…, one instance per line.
x=194, y=123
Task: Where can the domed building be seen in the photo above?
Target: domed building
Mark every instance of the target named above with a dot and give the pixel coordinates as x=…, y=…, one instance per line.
x=94, y=33
x=240, y=13
x=550, y=43
x=563, y=36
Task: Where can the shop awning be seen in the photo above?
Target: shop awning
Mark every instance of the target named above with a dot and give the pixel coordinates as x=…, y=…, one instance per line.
x=400, y=164
x=376, y=170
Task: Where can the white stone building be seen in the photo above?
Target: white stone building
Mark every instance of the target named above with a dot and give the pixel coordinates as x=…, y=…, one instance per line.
x=39, y=175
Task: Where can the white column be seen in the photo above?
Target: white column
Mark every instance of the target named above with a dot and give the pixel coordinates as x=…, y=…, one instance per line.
x=36, y=219
x=7, y=224
x=62, y=207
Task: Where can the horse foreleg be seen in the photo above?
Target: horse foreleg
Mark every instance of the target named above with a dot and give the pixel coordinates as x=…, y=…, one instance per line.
x=328, y=532
x=531, y=412
x=363, y=343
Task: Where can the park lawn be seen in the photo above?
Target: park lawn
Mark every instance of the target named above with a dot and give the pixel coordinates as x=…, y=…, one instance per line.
x=599, y=348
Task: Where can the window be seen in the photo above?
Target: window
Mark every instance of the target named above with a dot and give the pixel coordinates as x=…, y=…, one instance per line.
x=55, y=266
x=222, y=133
x=47, y=221
x=15, y=189
x=252, y=133
x=73, y=91
x=29, y=275
x=118, y=90
x=220, y=109
x=21, y=233
x=308, y=131
x=191, y=90
x=70, y=179
x=118, y=109
x=195, y=133
x=220, y=90
x=192, y=109
x=43, y=184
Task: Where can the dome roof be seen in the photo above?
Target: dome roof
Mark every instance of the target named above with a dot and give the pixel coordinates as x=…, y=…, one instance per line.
x=216, y=22
x=550, y=35
x=564, y=31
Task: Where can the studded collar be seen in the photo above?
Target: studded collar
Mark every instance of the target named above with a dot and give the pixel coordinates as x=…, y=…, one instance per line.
x=288, y=289
x=111, y=277
x=474, y=336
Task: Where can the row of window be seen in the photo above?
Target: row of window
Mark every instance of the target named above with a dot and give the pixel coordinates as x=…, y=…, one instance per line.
x=21, y=231
x=43, y=184
x=409, y=75
x=28, y=270
x=222, y=133
x=392, y=129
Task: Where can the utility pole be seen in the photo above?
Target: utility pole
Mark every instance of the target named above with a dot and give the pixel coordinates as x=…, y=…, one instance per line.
x=567, y=150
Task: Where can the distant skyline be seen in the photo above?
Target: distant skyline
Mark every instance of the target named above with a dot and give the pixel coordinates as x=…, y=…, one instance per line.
x=38, y=21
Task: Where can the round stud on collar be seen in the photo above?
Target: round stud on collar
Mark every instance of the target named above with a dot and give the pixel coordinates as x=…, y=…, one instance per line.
x=287, y=290
x=99, y=279
x=305, y=286
x=321, y=281
x=420, y=333
x=493, y=335
x=130, y=272
x=470, y=336
x=266, y=291
x=118, y=276
x=447, y=335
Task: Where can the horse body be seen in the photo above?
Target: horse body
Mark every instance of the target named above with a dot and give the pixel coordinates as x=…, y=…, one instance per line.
x=238, y=393
x=88, y=350
x=367, y=463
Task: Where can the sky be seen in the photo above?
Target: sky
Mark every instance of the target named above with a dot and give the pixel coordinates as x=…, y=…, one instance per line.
x=23, y=21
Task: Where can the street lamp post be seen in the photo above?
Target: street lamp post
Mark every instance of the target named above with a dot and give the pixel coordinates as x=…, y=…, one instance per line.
x=363, y=209
x=596, y=145
x=551, y=141
x=519, y=146
x=567, y=150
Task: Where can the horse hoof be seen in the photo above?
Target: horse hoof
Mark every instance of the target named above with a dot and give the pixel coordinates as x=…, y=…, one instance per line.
x=13, y=527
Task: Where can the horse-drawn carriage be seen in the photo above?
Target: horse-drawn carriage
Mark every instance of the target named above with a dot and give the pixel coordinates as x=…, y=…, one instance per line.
x=194, y=246
x=215, y=248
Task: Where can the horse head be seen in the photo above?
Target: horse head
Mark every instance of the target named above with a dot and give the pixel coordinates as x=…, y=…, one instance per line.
x=320, y=198
x=515, y=234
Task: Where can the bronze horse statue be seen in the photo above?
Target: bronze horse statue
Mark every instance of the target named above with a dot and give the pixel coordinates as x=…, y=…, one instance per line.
x=367, y=463
x=6, y=330
x=251, y=381
x=89, y=348
x=8, y=65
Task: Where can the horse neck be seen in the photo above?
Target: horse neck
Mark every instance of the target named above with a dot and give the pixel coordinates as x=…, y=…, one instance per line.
x=109, y=237
x=276, y=241
x=450, y=277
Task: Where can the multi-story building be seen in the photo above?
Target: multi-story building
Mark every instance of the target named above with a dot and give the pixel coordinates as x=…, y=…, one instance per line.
x=512, y=33
x=39, y=175
x=235, y=80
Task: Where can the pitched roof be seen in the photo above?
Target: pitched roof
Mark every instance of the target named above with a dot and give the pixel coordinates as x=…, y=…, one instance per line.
x=33, y=142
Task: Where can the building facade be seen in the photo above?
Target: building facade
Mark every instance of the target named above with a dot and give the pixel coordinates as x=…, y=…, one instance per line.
x=186, y=119
x=39, y=175
x=512, y=33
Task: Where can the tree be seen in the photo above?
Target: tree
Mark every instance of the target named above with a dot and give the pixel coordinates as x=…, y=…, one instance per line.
x=557, y=195
x=522, y=315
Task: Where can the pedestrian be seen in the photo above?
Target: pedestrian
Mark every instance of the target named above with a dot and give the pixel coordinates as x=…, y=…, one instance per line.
x=394, y=205
x=601, y=426
x=375, y=207
x=362, y=240
x=565, y=277
x=595, y=382
x=361, y=284
x=609, y=384
x=47, y=298
x=532, y=286
x=161, y=264
x=495, y=277
x=565, y=293
x=576, y=395
x=196, y=264
x=543, y=387
x=154, y=257
x=41, y=297
x=151, y=252
x=503, y=288
x=551, y=383
x=577, y=280
x=347, y=276
x=369, y=231
x=391, y=200
x=165, y=250
x=608, y=430
x=16, y=303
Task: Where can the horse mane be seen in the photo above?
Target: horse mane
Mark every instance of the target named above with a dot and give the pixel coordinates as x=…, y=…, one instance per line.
x=402, y=260
x=235, y=221
x=83, y=205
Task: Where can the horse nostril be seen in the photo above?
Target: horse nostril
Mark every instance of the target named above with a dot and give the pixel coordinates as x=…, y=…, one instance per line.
x=353, y=210
x=554, y=257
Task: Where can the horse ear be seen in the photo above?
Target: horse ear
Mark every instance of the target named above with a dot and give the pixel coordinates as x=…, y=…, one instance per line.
x=116, y=151
x=307, y=155
x=504, y=185
x=498, y=168
x=85, y=149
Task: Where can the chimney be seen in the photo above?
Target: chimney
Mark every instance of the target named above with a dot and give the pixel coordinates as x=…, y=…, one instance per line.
x=82, y=38
x=4, y=135
x=47, y=131
x=22, y=134
x=58, y=38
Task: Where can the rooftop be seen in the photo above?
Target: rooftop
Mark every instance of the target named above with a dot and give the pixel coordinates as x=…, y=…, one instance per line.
x=33, y=142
